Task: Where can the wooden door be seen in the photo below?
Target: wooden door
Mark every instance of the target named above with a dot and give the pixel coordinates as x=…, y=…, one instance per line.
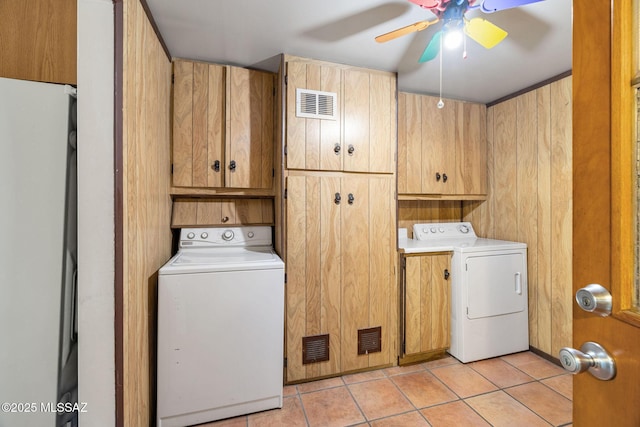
x=251, y=125
x=427, y=304
x=368, y=265
x=410, y=167
x=198, y=124
x=604, y=212
x=471, y=149
x=314, y=272
x=356, y=257
x=356, y=110
x=311, y=142
x=438, y=146
x=369, y=108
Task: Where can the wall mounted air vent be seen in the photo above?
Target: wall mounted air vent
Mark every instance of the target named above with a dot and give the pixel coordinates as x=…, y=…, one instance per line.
x=370, y=340
x=315, y=104
x=315, y=349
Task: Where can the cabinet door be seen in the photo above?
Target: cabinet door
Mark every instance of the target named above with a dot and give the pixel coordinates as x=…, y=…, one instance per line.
x=251, y=123
x=188, y=212
x=427, y=304
x=369, y=121
x=410, y=167
x=313, y=291
x=198, y=124
x=471, y=148
x=368, y=240
x=311, y=143
x=438, y=146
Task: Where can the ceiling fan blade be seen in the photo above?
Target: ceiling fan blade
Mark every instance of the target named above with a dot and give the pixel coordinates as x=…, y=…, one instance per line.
x=490, y=6
x=484, y=32
x=418, y=26
x=432, y=49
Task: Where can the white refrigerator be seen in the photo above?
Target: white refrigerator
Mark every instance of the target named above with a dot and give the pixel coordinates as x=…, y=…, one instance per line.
x=38, y=358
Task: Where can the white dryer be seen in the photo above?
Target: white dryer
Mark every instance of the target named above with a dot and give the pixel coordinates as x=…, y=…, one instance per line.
x=489, y=297
x=220, y=326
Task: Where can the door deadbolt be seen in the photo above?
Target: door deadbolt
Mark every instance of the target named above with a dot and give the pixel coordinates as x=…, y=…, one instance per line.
x=592, y=357
x=594, y=298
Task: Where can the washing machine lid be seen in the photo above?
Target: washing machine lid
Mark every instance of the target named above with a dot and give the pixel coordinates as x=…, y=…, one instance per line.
x=204, y=260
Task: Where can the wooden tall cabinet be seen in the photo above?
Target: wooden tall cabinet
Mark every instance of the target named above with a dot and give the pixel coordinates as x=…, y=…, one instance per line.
x=223, y=126
x=441, y=151
x=426, y=305
x=339, y=217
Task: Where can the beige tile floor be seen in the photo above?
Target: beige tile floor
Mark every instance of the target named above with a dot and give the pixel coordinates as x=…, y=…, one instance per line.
x=521, y=389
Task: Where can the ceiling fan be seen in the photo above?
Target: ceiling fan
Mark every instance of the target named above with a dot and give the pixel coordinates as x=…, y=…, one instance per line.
x=455, y=25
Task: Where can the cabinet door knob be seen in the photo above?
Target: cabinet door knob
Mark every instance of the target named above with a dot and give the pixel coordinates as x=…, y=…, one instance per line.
x=438, y=176
x=336, y=149
x=446, y=274
x=350, y=199
x=444, y=177
x=351, y=149
x=216, y=166
x=232, y=165
x=225, y=218
x=337, y=199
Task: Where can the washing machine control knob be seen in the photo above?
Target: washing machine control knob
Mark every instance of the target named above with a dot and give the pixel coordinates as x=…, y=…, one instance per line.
x=433, y=229
x=250, y=234
x=204, y=235
x=441, y=229
x=227, y=235
x=425, y=230
x=463, y=229
x=191, y=235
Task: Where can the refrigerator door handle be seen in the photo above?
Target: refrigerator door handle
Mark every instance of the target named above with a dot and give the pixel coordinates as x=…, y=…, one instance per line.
x=73, y=326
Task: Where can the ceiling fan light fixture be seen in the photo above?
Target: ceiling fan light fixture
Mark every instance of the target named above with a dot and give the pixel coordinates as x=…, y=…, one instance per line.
x=453, y=39
x=453, y=34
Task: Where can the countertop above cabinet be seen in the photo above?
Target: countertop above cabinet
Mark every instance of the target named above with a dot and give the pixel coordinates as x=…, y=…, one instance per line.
x=442, y=152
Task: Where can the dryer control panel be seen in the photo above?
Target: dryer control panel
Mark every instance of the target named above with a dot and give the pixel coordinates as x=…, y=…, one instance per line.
x=443, y=230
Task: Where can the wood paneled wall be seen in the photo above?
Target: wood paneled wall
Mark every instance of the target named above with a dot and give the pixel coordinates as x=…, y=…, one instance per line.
x=530, y=200
x=38, y=40
x=146, y=205
x=418, y=211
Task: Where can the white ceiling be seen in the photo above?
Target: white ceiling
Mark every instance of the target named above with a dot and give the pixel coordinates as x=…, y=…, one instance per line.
x=253, y=33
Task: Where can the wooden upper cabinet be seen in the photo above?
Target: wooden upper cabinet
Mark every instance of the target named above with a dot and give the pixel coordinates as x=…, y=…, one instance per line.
x=251, y=129
x=362, y=136
x=223, y=126
x=441, y=151
x=471, y=149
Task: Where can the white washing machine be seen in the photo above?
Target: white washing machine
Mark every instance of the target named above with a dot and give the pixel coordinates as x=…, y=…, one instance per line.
x=220, y=326
x=489, y=299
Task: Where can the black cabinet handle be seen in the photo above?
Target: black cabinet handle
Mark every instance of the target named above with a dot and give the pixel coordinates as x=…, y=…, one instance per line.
x=351, y=149
x=232, y=165
x=446, y=274
x=444, y=177
x=438, y=176
x=337, y=199
x=216, y=166
x=336, y=149
x=350, y=199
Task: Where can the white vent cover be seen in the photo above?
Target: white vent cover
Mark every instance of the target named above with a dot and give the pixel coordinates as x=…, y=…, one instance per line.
x=315, y=104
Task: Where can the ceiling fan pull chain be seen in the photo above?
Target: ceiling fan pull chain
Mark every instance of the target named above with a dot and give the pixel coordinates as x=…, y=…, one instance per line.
x=441, y=102
x=464, y=44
